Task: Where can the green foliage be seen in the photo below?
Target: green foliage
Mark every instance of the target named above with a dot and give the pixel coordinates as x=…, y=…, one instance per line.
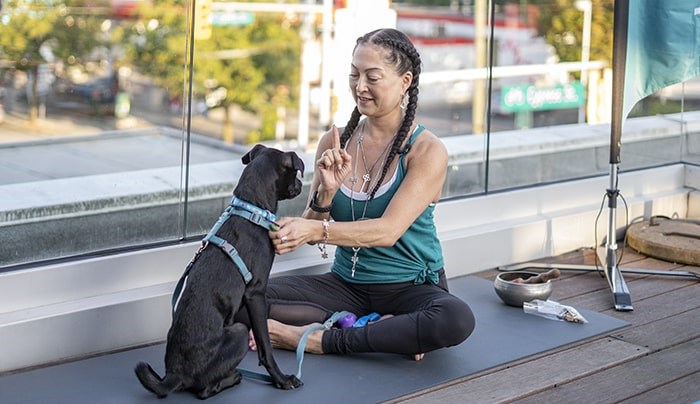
x=269, y=121
x=64, y=27
x=249, y=62
x=157, y=43
x=240, y=77
x=34, y=33
x=561, y=23
x=254, y=136
x=280, y=58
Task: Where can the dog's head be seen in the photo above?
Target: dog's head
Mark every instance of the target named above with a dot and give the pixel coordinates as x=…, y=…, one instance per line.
x=269, y=174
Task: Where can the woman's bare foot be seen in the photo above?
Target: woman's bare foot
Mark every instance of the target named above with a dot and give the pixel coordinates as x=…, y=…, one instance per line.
x=251, y=341
x=287, y=337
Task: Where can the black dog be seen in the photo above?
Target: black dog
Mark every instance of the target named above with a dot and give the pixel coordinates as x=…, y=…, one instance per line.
x=204, y=344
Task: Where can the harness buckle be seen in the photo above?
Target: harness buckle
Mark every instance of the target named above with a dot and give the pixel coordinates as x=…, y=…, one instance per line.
x=230, y=250
x=257, y=219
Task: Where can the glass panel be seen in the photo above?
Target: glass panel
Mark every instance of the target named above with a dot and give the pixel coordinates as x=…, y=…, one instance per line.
x=688, y=95
x=674, y=112
x=246, y=89
x=539, y=88
x=90, y=152
x=454, y=42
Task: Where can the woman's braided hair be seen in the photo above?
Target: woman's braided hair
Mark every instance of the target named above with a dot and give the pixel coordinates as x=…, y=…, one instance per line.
x=404, y=57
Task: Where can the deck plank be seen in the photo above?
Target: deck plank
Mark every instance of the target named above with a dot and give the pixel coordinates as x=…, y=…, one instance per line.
x=627, y=380
x=641, y=289
x=661, y=305
x=665, y=332
x=536, y=375
x=684, y=390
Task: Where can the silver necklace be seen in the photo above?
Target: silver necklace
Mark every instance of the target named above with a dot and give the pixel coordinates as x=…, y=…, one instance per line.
x=366, y=179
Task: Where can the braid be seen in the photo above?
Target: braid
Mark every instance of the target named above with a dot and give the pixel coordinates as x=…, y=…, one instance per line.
x=399, y=138
x=350, y=127
x=405, y=57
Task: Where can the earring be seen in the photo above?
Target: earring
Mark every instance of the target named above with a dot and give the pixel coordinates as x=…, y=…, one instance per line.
x=404, y=101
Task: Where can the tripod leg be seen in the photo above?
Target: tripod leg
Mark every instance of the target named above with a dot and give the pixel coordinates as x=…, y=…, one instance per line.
x=622, y=299
x=591, y=268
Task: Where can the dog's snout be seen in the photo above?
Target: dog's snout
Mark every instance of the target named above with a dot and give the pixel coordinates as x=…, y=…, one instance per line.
x=296, y=188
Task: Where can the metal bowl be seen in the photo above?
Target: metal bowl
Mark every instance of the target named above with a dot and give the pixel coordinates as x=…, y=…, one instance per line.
x=515, y=294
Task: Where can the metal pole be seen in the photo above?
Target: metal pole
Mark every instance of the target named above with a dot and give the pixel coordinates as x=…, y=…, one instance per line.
x=586, y=7
x=621, y=294
x=478, y=90
x=324, y=113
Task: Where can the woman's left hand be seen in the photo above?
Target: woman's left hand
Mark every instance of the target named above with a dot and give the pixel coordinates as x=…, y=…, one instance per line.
x=293, y=233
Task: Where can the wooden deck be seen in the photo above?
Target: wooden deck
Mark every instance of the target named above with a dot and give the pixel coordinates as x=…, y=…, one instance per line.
x=656, y=359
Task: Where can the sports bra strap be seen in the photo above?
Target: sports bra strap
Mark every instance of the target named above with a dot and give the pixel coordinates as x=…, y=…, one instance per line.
x=415, y=133
x=412, y=139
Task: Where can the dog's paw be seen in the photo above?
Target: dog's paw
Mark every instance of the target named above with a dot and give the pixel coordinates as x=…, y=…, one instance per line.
x=288, y=382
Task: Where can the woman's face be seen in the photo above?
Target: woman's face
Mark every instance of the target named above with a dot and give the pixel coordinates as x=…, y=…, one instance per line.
x=376, y=87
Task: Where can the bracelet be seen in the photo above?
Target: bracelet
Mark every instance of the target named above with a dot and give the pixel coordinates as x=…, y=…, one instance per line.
x=322, y=245
x=320, y=209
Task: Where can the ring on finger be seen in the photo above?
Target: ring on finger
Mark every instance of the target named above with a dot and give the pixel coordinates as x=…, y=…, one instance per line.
x=284, y=239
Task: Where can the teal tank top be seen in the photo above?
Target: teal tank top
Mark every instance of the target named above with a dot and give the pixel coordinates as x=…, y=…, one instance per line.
x=416, y=256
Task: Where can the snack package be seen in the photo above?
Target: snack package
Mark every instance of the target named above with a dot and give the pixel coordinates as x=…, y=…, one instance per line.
x=554, y=311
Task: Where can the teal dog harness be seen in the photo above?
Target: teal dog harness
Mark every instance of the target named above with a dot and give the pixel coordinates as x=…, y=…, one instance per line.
x=237, y=207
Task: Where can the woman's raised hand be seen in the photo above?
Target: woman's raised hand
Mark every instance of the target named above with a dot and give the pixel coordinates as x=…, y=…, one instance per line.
x=334, y=164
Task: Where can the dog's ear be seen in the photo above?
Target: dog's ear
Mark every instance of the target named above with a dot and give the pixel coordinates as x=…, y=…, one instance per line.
x=294, y=162
x=252, y=153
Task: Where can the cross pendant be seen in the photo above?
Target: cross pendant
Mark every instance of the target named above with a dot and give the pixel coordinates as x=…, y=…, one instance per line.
x=354, y=259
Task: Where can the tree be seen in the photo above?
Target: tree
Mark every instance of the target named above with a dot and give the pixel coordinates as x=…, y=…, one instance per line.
x=562, y=26
x=39, y=33
x=243, y=65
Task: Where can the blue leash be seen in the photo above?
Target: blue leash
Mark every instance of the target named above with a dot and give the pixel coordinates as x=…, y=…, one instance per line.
x=300, y=348
x=325, y=326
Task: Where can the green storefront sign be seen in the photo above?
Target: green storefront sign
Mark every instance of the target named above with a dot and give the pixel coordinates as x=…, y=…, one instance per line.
x=534, y=98
x=228, y=19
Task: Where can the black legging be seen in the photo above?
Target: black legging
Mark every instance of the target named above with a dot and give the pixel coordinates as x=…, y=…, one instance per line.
x=425, y=317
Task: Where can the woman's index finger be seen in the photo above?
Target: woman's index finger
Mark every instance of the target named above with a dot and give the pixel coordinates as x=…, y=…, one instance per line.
x=336, y=138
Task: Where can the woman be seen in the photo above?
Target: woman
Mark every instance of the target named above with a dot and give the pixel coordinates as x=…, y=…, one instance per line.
x=373, y=194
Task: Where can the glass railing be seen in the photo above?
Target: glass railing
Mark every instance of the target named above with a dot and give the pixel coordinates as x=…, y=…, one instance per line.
x=122, y=123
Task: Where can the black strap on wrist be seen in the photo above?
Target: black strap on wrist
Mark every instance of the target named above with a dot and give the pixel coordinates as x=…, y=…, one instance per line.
x=320, y=209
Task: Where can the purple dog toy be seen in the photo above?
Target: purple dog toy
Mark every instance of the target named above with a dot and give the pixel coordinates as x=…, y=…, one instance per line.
x=347, y=321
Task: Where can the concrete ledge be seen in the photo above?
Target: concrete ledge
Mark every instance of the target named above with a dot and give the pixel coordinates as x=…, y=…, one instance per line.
x=83, y=327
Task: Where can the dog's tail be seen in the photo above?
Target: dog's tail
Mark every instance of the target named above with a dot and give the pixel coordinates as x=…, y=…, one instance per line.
x=154, y=383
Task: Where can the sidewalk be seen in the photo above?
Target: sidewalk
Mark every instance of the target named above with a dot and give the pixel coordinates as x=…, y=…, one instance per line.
x=16, y=128
x=67, y=120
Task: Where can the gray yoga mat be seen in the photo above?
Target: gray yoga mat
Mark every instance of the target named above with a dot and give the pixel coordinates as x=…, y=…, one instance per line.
x=503, y=334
